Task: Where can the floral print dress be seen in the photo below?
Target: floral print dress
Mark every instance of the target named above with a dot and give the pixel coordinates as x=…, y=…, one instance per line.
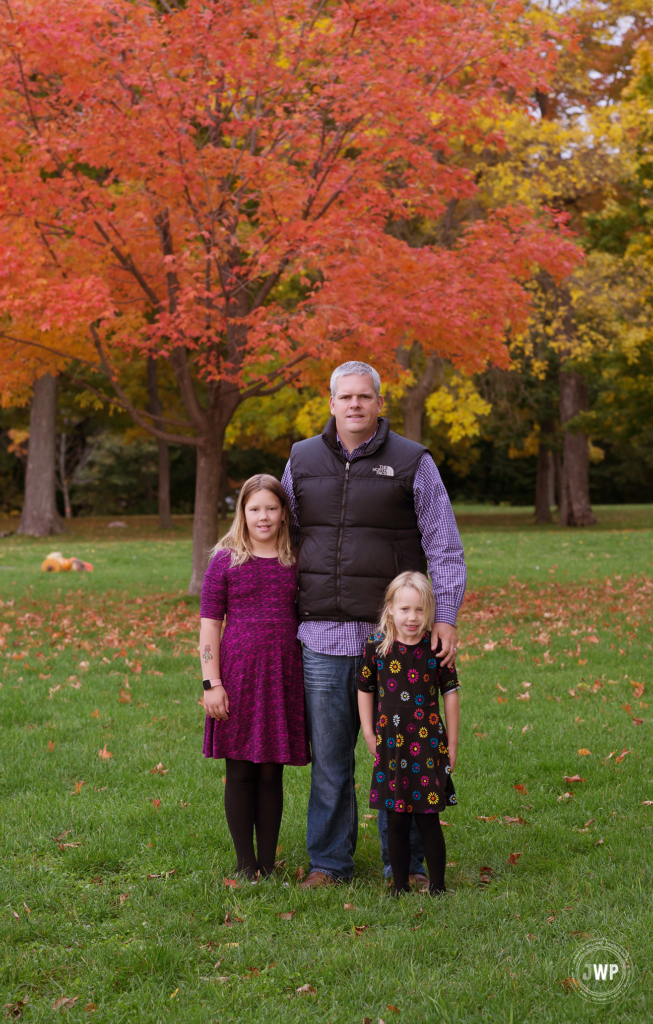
x=411, y=767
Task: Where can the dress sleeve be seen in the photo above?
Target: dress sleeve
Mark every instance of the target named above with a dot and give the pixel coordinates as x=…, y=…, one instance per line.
x=215, y=587
x=367, y=673
x=447, y=675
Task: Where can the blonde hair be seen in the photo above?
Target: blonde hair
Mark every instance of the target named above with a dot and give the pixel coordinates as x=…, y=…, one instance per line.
x=236, y=540
x=417, y=581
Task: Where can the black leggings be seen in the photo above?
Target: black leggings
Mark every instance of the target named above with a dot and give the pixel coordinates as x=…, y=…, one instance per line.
x=253, y=799
x=399, y=848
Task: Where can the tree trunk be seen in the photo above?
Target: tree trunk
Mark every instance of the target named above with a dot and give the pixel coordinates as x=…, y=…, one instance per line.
x=163, y=487
x=40, y=517
x=575, y=506
x=552, y=480
x=64, y=479
x=413, y=398
x=542, y=486
x=544, y=472
x=206, y=518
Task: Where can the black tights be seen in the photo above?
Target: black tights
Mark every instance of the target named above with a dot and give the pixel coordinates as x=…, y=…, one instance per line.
x=399, y=848
x=253, y=799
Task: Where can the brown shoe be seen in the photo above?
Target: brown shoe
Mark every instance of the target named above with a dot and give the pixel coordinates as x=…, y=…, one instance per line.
x=316, y=879
x=418, y=879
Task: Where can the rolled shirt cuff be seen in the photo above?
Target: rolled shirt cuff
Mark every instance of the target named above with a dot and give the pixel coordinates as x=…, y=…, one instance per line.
x=446, y=613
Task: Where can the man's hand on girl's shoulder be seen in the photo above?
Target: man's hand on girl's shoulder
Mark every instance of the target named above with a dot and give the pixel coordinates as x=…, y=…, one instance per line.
x=445, y=634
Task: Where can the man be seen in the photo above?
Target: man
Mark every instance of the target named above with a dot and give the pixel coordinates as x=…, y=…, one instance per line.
x=368, y=504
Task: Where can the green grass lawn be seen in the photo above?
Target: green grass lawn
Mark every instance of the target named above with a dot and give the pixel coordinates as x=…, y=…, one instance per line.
x=561, y=610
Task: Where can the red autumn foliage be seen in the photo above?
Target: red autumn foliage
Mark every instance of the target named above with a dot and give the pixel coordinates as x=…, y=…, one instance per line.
x=228, y=187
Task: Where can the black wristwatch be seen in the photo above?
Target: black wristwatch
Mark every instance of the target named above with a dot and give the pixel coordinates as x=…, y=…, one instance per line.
x=206, y=683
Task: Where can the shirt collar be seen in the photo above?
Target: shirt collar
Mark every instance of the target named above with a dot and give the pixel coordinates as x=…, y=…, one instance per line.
x=360, y=448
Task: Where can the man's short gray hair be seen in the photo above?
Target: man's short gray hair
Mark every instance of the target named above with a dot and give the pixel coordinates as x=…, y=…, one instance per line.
x=359, y=368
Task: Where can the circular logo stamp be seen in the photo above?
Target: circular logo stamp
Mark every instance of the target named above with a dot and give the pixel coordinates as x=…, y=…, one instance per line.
x=601, y=970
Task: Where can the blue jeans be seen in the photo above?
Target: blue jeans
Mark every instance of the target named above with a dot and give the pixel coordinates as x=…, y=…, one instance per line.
x=416, y=847
x=333, y=725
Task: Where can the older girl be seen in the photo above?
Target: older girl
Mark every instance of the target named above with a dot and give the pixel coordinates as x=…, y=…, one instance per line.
x=253, y=672
x=413, y=755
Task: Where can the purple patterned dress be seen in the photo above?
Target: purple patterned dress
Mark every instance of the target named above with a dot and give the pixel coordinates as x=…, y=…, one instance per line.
x=260, y=661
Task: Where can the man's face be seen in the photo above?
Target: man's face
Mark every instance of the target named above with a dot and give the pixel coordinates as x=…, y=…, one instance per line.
x=355, y=406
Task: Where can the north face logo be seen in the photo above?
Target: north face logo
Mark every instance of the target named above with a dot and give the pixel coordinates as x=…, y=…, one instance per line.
x=383, y=470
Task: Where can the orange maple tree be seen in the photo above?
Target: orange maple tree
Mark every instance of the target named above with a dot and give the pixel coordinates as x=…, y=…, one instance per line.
x=225, y=186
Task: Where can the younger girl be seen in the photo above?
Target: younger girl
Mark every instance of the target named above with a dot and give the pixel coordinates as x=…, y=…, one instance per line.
x=253, y=674
x=413, y=757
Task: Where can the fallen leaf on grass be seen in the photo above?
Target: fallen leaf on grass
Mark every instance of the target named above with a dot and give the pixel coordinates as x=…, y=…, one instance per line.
x=526, y=728
x=513, y=858
x=503, y=689
x=599, y=843
x=125, y=697
x=444, y=822
x=360, y=929
x=350, y=906
x=551, y=919
x=530, y=936
x=647, y=803
x=621, y=755
x=63, y=835
x=598, y=685
x=95, y=714
x=229, y=923
x=78, y=788
x=521, y=788
x=573, y=778
x=305, y=990
x=183, y=805
x=485, y=875
x=124, y=896
x=159, y=770
x=53, y=690
x=627, y=708
x=299, y=873
x=27, y=909
x=64, y=1003
x=104, y=754
x=231, y=883
x=564, y=796
x=486, y=817
x=90, y=1007
x=99, y=789
x=514, y=821
x=370, y=817
x=639, y=689
x=156, y=804
x=50, y=746
x=582, y=935
x=583, y=752
x=17, y=916
x=280, y=865
x=638, y=721
x=393, y=1009
x=286, y=915
x=502, y=700
x=68, y=846
x=573, y=693
x=15, y=1009
x=569, y=984
x=523, y=696
x=481, y=735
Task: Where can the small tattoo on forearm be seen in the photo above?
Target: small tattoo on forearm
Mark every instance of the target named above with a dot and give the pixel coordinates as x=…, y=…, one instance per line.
x=207, y=653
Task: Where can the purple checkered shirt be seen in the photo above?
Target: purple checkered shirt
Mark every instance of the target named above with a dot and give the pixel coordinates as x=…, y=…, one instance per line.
x=442, y=547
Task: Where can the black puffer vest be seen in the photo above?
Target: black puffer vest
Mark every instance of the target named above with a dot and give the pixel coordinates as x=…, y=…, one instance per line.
x=358, y=523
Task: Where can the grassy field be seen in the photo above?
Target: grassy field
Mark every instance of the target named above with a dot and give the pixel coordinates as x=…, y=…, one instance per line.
x=113, y=876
